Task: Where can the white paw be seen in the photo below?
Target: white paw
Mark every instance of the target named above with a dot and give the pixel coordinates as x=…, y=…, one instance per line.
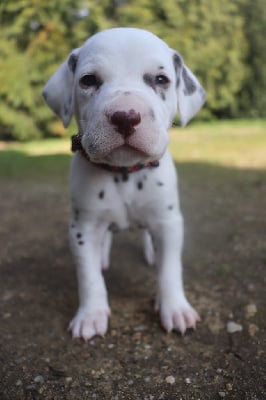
x=177, y=315
x=87, y=324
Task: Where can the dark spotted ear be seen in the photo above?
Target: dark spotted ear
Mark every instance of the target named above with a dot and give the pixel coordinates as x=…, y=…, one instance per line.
x=191, y=95
x=58, y=90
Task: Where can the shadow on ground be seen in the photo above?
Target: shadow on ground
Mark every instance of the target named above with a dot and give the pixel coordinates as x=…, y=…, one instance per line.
x=224, y=258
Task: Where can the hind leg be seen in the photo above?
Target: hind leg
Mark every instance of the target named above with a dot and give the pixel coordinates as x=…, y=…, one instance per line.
x=149, y=252
x=106, y=248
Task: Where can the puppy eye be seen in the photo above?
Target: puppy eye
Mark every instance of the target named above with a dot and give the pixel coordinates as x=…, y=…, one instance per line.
x=89, y=80
x=161, y=80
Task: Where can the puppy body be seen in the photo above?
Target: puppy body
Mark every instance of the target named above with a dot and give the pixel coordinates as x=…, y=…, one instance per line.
x=124, y=86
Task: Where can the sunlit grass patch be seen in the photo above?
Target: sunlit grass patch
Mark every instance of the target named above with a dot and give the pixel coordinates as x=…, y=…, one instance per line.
x=39, y=147
x=239, y=143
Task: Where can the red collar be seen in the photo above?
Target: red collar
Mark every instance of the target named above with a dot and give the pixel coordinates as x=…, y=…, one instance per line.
x=77, y=146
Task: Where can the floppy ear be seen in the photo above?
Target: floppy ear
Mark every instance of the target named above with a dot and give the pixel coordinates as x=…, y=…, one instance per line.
x=191, y=95
x=58, y=91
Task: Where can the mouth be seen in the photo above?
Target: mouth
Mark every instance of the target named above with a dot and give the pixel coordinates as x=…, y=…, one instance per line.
x=125, y=156
x=116, y=151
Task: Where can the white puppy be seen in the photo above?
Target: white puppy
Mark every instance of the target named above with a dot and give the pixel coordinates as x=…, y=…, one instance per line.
x=124, y=87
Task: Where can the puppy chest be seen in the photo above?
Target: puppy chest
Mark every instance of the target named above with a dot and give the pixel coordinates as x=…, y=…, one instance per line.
x=125, y=203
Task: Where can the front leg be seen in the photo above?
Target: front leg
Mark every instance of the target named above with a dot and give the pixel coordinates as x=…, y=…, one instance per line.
x=175, y=311
x=86, y=238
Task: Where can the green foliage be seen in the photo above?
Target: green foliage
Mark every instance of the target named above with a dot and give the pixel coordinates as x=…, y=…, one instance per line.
x=209, y=35
x=222, y=42
x=253, y=95
x=35, y=37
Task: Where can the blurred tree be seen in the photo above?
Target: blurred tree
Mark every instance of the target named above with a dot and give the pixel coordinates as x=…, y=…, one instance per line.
x=253, y=95
x=208, y=34
x=36, y=37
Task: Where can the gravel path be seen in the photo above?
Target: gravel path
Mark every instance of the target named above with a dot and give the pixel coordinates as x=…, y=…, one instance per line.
x=224, y=257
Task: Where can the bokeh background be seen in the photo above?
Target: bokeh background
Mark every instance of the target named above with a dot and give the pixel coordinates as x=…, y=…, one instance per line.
x=223, y=42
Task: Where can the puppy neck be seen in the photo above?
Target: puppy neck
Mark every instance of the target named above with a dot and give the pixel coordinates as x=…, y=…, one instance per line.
x=77, y=146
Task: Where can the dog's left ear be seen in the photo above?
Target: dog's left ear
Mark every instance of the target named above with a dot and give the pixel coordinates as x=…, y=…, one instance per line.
x=58, y=91
x=191, y=95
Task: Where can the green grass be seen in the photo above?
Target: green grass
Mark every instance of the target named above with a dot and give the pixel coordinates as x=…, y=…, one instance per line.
x=238, y=144
x=37, y=160
x=39, y=147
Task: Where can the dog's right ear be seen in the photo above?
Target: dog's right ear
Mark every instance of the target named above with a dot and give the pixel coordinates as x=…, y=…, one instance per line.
x=58, y=91
x=191, y=95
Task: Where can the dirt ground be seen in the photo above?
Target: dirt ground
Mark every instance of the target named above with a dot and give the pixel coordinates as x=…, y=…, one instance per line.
x=224, y=263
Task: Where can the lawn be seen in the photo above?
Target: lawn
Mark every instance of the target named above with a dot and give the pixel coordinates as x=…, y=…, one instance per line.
x=239, y=143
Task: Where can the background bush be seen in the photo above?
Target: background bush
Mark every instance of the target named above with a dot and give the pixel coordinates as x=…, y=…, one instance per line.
x=222, y=42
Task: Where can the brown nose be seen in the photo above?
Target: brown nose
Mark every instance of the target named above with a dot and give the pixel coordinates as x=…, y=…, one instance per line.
x=125, y=121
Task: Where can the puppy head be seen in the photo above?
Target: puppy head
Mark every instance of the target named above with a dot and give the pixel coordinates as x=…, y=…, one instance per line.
x=124, y=86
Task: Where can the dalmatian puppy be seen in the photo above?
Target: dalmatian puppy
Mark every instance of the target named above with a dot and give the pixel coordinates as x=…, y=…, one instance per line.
x=124, y=86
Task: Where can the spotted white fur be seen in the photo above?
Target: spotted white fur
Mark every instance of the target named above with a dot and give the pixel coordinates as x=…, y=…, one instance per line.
x=124, y=87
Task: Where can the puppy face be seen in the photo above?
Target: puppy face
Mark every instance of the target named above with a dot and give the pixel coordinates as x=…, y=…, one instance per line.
x=124, y=86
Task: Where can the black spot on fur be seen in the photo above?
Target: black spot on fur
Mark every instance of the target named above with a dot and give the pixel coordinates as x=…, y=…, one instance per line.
x=80, y=242
x=160, y=183
x=113, y=227
x=125, y=176
x=177, y=62
x=76, y=213
x=140, y=185
x=79, y=235
x=72, y=62
x=101, y=194
x=161, y=67
x=162, y=95
x=152, y=115
x=170, y=207
x=190, y=86
x=177, y=65
x=116, y=179
x=127, y=93
x=148, y=79
x=151, y=81
x=72, y=226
